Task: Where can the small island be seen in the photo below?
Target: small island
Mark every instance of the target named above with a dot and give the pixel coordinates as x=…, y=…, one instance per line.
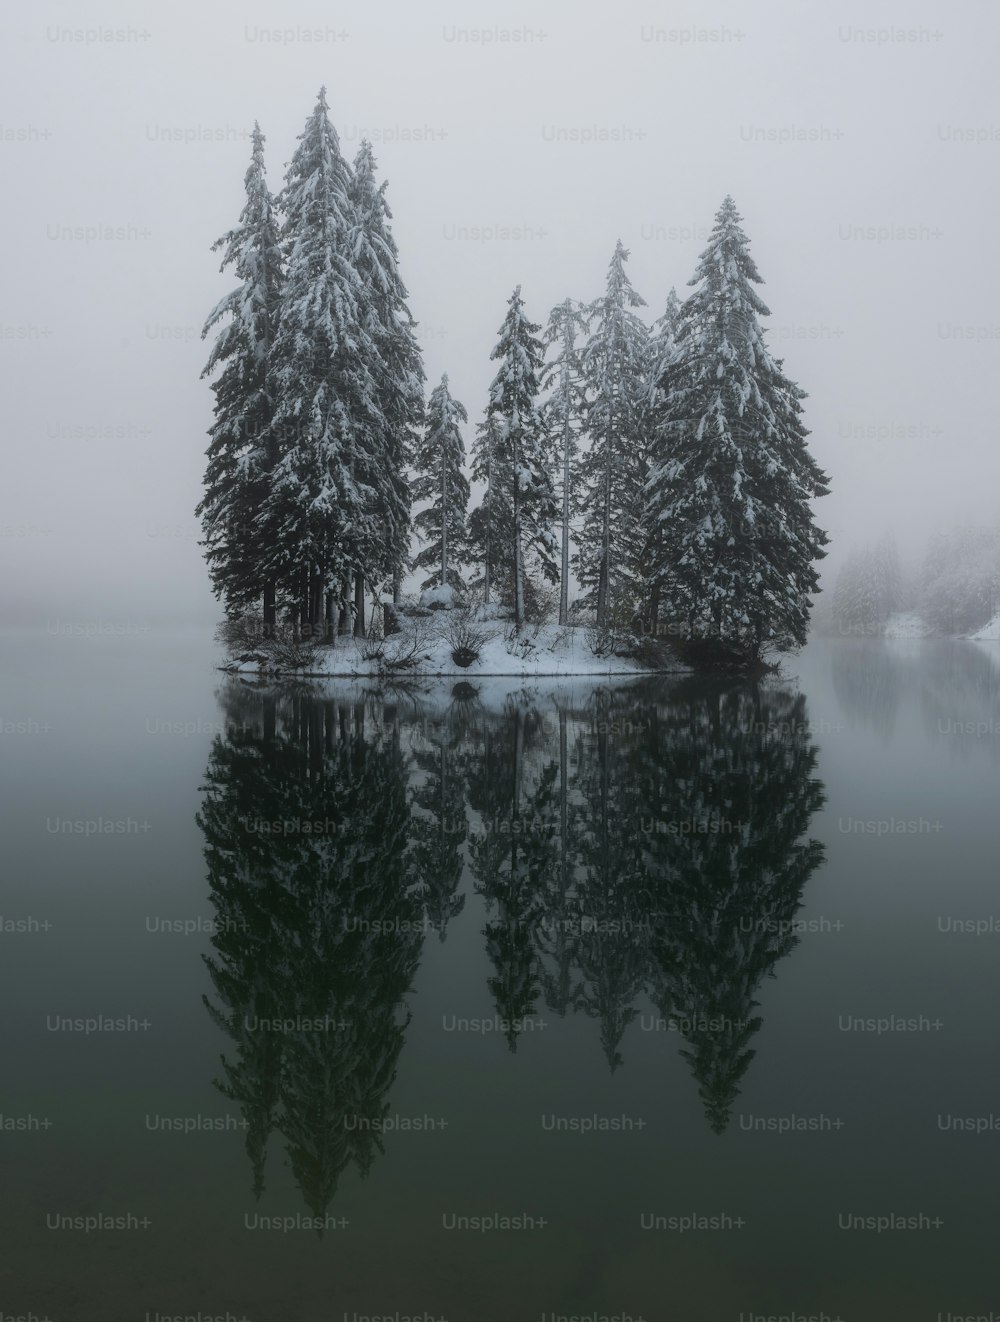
x=636, y=498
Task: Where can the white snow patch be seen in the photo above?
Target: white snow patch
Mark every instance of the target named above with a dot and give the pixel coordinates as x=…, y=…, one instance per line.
x=442, y=595
x=989, y=633
x=539, y=650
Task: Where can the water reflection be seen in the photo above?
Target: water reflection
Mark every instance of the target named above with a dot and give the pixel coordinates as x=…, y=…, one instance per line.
x=625, y=847
x=955, y=682
x=306, y=823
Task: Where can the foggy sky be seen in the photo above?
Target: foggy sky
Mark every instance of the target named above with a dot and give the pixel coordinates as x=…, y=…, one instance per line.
x=865, y=165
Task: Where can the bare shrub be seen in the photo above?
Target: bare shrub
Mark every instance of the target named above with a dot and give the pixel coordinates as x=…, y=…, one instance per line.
x=467, y=636
x=282, y=647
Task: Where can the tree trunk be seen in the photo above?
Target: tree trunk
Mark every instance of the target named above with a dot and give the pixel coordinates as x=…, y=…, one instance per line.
x=518, y=561
x=564, y=585
x=489, y=517
x=316, y=605
x=604, y=581
x=331, y=631
x=270, y=614
x=444, y=520
x=303, y=603
x=359, y=605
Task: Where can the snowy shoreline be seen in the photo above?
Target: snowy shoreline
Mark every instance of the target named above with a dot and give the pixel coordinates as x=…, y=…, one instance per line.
x=424, y=648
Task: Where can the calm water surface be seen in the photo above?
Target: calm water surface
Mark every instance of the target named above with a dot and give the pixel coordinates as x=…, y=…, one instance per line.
x=666, y=1000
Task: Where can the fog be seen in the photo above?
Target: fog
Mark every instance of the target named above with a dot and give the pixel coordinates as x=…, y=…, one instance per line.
x=859, y=141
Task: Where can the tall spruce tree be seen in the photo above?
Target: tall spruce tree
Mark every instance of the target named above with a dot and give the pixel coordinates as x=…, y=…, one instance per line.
x=519, y=459
x=563, y=414
x=397, y=372
x=662, y=341
x=324, y=502
x=490, y=523
x=613, y=469
x=729, y=491
x=243, y=448
x=439, y=460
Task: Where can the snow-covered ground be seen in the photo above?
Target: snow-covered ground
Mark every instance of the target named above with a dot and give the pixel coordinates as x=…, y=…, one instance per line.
x=989, y=633
x=425, y=648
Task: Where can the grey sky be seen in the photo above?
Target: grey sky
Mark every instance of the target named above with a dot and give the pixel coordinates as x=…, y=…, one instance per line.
x=861, y=143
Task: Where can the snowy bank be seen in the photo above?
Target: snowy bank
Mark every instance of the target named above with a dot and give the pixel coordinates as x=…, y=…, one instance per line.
x=989, y=633
x=427, y=645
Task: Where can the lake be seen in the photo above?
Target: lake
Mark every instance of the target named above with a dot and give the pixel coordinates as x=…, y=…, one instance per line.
x=666, y=999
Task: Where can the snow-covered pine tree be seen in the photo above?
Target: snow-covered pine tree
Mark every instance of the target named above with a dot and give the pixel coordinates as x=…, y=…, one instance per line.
x=563, y=414
x=490, y=522
x=439, y=460
x=519, y=458
x=961, y=580
x=662, y=338
x=242, y=450
x=613, y=469
x=889, y=578
x=323, y=505
x=846, y=591
x=730, y=486
x=398, y=374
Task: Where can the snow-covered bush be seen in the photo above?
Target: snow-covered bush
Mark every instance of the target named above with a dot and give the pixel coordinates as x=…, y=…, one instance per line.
x=443, y=597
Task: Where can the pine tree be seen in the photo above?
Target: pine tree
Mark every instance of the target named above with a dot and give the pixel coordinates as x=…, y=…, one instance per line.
x=242, y=450
x=851, y=614
x=439, y=460
x=491, y=521
x=519, y=459
x=613, y=469
x=890, y=579
x=662, y=339
x=324, y=504
x=662, y=342
x=728, y=496
x=563, y=414
x=397, y=371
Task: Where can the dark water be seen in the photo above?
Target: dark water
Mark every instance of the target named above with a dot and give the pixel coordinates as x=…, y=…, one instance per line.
x=666, y=1000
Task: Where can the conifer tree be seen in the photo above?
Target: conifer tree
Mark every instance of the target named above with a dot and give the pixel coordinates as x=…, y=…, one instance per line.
x=519, y=460
x=324, y=501
x=563, y=413
x=613, y=469
x=242, y=450
x=730, y=486
x=662, y=338
x=490, y=522
x=397, y=372
x=439, y=461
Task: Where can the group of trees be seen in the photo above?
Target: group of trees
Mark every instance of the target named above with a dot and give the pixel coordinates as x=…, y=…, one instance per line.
x=319, y=392
x=869, y=588
x=960, y=583
x=631, y=844
x=663, y=470
x=956, y=589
